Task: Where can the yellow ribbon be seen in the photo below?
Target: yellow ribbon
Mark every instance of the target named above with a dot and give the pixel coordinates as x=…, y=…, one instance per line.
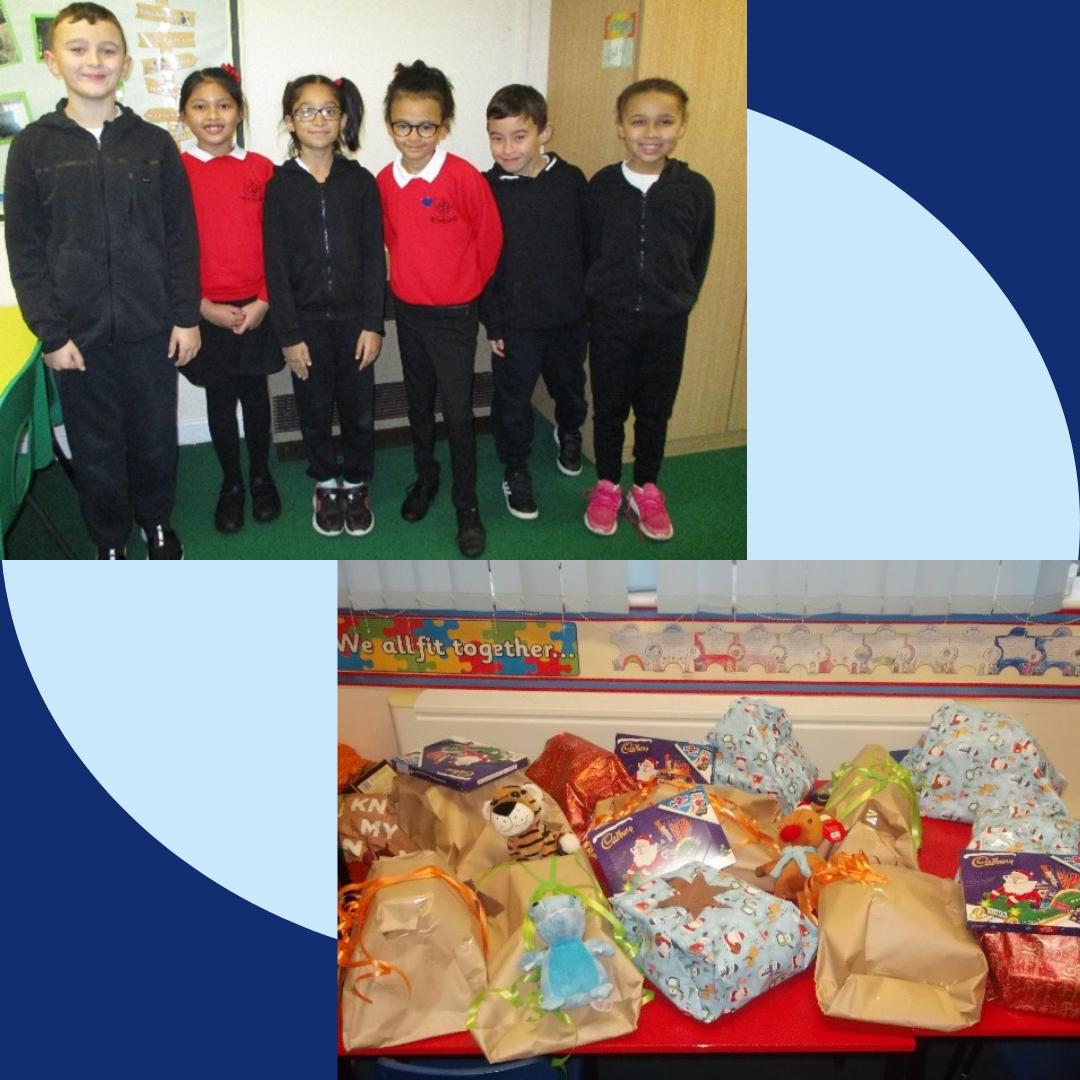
x=844, y=799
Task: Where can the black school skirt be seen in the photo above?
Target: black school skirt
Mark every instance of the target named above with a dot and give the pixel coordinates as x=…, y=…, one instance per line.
x=224, y=354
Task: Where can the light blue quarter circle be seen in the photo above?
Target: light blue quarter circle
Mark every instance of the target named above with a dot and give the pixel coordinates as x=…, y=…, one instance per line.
x=897, y=404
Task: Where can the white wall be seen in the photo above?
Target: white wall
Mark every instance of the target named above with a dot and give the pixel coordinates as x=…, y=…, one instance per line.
x=480, y=44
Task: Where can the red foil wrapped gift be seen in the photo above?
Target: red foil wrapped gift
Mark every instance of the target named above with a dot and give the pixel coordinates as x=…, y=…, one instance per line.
x=577, y=774
x=1034, y=972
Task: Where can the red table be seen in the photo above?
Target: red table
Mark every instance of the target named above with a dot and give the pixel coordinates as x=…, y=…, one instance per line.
x=787, y=1020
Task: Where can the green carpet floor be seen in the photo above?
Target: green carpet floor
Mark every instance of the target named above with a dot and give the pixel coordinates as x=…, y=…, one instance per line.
x=706, y=496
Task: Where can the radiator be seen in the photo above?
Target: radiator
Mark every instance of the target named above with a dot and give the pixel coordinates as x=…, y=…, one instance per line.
x=831, y=728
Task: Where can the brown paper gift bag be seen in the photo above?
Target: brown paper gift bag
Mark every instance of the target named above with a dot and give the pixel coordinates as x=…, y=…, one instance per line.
x=875, y=799
x=506, y=1020
x=898, y=953
x=451, y=823
x=419, y=922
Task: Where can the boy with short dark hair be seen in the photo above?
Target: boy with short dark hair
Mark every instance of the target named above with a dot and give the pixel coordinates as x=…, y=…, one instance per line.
x=104, y=258
x=534, y=306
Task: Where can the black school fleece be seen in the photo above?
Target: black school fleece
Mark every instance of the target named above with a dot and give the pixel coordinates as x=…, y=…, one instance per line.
x=539, y=282
x=101, y=239
x=323, y=245
x=649, y=252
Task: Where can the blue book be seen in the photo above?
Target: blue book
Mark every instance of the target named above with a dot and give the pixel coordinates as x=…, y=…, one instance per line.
x=459, y=764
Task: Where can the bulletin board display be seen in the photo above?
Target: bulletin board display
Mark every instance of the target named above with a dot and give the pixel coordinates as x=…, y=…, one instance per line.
x=165, y=43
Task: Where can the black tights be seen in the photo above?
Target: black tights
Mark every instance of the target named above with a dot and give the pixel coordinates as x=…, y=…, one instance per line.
x=254, y=397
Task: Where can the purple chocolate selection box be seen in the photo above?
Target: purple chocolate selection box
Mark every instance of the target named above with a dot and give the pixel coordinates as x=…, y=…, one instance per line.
x=648, y=759
x=1023, y=890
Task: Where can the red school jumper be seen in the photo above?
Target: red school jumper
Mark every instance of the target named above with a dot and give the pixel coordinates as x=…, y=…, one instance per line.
x=444, y=236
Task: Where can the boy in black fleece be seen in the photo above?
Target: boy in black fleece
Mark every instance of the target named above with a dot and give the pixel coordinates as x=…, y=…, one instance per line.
x=650, y=222
x=104, y=258
x=533, y=307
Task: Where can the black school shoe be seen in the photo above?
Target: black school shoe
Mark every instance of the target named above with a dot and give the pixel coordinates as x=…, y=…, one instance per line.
x=229, y=512
x=569, y=456
x=470, y=533
x=265, y=500
x=359, y=520
x=111, y=554
x=517, y=489
x=162, y=542
x=418, y=498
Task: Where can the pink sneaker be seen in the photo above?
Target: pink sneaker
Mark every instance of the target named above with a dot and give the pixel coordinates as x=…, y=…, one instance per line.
x=647, y=511
x=602, y=516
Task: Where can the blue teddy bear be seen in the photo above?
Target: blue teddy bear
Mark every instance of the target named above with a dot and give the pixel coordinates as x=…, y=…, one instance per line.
x=570, y=976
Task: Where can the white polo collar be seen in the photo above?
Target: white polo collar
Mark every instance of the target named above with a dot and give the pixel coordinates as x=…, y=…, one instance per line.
x=200, y=154
x=428, y=172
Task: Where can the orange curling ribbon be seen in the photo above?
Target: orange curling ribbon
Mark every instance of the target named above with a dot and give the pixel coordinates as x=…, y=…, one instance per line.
x=354, y=905
x=728, y=811
x=844, y=866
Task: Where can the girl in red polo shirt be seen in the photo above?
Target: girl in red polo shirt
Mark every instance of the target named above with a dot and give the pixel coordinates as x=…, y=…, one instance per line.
x=239, y=349
x=444, y=237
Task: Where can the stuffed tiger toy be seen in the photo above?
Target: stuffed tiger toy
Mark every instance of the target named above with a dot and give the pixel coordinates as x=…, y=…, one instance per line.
x=516, y=812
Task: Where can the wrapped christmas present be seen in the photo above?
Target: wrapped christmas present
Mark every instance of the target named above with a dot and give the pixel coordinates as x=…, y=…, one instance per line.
x=561, y=973
x=577, y=774
x=454, y=823
x=874, y=798
x=506, y=891
x=898, y=952
x=1034, y=972
x=1023, y=827
x=410, y=919
x=750, y=822
x=756, y=751
x=710, y=942
x=969, y=759
x=368, y=827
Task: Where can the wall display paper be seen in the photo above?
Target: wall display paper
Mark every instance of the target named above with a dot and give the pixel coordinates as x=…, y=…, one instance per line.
x=164, y=43
x=450, y=646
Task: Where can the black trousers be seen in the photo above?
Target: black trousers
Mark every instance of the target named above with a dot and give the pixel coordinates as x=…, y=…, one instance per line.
x=558, y=355
x=634, y=363
x=120, y=418
x=438, y=349
x=335, y=378
x=253, y=395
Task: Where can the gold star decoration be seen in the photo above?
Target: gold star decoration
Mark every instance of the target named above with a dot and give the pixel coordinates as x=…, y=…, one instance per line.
x=694, y=895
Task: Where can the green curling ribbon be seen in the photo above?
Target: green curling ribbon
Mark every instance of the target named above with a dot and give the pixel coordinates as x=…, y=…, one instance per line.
x=880, y=776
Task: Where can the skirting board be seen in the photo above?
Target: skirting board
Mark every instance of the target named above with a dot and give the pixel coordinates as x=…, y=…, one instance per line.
x=830, y=729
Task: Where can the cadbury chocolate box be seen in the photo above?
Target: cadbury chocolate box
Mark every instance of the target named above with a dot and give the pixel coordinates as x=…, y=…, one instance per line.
x=664, y=759
x=1021, y=890
x=659, y=839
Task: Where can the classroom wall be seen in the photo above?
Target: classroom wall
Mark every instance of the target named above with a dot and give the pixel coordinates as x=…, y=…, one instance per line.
x=480, y=44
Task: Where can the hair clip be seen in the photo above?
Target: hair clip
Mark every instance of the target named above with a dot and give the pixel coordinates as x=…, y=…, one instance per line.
x=337, y=83
x=231, y=72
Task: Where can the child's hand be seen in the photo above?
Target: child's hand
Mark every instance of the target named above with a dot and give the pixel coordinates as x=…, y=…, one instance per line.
x=368, y=347
x=66, y=358
x=227, y=316
x=298, y=358
x=251, y=315
x=184, y=344
x=498, y=346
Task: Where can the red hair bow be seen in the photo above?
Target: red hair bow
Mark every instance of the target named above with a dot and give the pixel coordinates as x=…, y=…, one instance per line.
x=231, y=72
x=337, y=83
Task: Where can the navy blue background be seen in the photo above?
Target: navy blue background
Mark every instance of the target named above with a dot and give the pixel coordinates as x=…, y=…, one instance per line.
x=969, y=106
x=120, y=959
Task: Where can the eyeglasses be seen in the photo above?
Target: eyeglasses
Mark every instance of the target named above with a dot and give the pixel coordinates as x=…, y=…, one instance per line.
x=403, y=130
x=309, y=112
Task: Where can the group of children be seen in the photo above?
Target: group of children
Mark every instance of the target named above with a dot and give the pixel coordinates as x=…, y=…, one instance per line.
x=131, y=261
